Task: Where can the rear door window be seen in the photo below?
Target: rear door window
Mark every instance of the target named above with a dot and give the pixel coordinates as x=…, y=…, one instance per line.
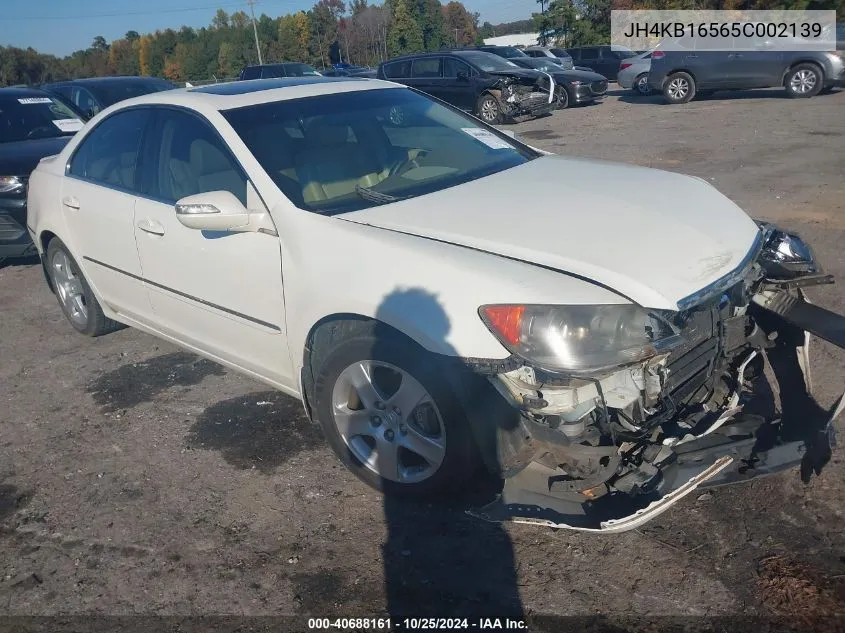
x=591, y=53
x=398, y=70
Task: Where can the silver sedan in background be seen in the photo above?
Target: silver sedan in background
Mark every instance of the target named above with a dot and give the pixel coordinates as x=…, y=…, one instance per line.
x=633, y=73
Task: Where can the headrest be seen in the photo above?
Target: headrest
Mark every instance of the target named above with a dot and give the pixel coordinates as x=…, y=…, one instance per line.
x=207, y=159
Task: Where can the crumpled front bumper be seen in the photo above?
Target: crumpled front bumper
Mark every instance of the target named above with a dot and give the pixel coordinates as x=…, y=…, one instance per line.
x=740, y=444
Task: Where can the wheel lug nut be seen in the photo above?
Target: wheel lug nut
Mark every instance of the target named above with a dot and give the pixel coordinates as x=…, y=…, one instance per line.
x=380, y=406
x=376, y=420
x=388, y=435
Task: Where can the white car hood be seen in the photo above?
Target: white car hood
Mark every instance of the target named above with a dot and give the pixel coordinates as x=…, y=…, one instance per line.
x=654, y=236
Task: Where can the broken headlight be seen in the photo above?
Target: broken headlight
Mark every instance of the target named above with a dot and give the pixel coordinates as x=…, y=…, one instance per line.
x=786, y=256
x=581, y=338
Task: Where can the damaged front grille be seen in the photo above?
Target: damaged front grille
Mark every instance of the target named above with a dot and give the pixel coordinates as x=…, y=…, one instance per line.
x=598, y=87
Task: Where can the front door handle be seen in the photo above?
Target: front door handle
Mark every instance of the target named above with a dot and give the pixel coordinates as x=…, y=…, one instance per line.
x=734, y=55
x=691, y=57
x=70, y=202
x=151, y=226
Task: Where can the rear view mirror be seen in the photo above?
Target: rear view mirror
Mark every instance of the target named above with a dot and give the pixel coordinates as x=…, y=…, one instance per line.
x=215, y=211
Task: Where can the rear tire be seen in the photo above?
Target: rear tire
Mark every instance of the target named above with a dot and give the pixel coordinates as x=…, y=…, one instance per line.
x=804, y=81
x=373, y=444
x=76, y=299
x=640, y=85
x=488, y=109
x=679, y=88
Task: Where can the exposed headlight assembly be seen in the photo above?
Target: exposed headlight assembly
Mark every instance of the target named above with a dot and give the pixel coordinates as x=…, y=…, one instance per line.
x=581, y=338
x=786, y=256
x=11, y=184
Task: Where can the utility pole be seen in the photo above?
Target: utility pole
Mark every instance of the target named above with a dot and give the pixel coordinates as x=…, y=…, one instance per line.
x=251, y=4
x=456, y=38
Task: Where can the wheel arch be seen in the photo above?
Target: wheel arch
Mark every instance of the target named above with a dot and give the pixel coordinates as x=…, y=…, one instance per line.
x=798, y=62
x=44, y=240
x=327, y=331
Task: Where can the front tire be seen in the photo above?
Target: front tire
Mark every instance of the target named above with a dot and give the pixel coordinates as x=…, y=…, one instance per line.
x=804, y=81
x=391, y=417
x=679, y=88
x=562, y=98
x=488, y=109
x=76, y=299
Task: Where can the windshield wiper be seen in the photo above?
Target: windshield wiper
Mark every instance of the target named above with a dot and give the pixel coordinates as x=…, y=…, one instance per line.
x=375, y=196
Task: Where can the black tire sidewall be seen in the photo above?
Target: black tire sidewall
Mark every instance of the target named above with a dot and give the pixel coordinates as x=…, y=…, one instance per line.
x=690, y=95
x=564, y=99
x=480, y=103
x=91, y=303
x=459, y=461
x=819, y=81
x=637, y=85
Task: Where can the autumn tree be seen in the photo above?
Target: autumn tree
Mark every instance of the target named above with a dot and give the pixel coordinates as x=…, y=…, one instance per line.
x=461, y=25
x=404, y=34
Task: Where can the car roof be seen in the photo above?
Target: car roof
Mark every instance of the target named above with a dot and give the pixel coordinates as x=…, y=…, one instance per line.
x=238, y=94
x=93, y=81
x=23, y=92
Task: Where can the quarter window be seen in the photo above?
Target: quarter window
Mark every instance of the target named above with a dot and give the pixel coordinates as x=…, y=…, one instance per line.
x=189, y=158
x=398, y=70
x=109, y=154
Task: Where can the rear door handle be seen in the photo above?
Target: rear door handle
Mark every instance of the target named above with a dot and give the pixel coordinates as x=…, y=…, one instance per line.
x=151, y=226
x=692, y=57
x=70, y=202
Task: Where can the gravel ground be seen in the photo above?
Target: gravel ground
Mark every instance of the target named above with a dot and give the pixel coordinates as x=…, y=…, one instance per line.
x=139, y=479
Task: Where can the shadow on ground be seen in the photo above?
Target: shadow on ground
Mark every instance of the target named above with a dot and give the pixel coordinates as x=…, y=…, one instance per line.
x=132, y=384
x=261, y=430
x=626, y=96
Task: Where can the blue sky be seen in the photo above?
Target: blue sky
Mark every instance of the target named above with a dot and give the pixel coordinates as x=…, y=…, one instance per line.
x=63, y=26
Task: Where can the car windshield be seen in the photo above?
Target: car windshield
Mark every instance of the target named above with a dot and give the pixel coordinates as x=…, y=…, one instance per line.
x=488, y=62
x=35, y=116
x=538, y=63
x=349, y=151
x=111, y=92
x=510, y=51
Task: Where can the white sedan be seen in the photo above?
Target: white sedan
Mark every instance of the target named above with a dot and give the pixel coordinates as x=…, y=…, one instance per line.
x=440, y=295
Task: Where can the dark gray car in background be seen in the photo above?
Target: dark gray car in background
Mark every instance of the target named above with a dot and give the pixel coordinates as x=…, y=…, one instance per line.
x=707, y=64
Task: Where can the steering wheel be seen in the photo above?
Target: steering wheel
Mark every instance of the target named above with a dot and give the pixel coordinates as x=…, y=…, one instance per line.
x=403, y=165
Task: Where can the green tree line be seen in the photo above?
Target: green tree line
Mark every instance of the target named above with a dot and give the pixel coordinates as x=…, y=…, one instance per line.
x=331, y=31
x=585, y=22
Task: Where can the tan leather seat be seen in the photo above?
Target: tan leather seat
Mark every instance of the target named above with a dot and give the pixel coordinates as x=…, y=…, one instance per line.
x=333, y=163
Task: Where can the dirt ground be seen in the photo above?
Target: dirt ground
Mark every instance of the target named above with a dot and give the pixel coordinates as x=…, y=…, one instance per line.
x=139, y=479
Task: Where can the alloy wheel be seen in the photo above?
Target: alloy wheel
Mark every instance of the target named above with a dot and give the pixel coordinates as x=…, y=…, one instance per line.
x=803, y=81
x=69, y=288
x=389, y=421
x=642, y=85
x=489, y=110
x=678, y=88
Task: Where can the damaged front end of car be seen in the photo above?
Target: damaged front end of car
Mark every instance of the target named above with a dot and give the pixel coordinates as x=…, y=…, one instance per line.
x=607, y=436
x=522, y=97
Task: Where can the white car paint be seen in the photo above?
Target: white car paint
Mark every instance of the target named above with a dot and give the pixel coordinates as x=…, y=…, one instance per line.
x=463, y=245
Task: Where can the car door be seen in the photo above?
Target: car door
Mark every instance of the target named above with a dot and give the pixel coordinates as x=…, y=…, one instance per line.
x=758, y=68
x=98, y=198
x=220, y=292
x=427, y=77
x=714, y=64
x=457, y=84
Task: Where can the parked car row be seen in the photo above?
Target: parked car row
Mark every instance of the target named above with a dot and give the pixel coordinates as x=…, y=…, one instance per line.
x=693, y=68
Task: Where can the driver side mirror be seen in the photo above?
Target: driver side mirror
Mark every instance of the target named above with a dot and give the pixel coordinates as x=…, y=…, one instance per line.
x=217, y=211
x=463, y=75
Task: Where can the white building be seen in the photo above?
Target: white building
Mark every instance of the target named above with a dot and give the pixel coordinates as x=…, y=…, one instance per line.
x=518, y=39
